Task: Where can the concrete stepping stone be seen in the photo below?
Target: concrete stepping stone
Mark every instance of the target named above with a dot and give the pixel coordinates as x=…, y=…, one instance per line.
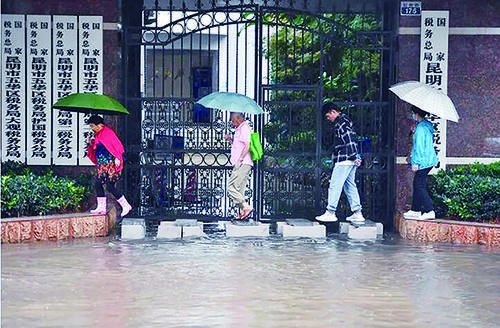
x=180, y=229
x=133, y=229
x=192, y=229
x=301, y=228
x=186, y=222
x=169, y=230
x=247, y=229
x=366, y=230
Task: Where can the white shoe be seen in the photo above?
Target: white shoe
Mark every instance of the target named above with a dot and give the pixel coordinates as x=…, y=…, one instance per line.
x=412, y=214
x=428, y=216
x=327, y=217
x=356, y=217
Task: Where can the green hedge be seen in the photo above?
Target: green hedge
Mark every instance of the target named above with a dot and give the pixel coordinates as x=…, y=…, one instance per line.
x=26, y=193
x=469, y=192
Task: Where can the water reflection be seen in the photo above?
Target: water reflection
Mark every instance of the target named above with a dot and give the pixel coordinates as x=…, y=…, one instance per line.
x=219, y=282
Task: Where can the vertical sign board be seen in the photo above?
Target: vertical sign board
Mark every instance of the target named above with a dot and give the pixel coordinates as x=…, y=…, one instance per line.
x=13, y=88
x=90, y=71
x=434, y=68
x=39, y=89
x=65, y=45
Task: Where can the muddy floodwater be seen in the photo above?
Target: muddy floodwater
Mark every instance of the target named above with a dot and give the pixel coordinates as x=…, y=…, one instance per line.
x=270, y=282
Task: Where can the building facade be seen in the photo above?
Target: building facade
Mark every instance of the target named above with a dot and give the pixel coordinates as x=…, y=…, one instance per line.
x=473, y=76
x=159, y=58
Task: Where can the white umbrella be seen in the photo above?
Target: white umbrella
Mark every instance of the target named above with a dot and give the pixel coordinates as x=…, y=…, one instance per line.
x=427, y=98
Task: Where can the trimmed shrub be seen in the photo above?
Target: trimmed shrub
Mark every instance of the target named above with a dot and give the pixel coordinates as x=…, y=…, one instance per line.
x=470, y=193
x=27, y=193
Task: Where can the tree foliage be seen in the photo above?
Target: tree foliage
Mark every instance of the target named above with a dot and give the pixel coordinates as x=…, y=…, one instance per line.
x=336, y=50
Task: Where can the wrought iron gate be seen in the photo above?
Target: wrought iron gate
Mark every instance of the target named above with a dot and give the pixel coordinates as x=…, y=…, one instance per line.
x=289, y=61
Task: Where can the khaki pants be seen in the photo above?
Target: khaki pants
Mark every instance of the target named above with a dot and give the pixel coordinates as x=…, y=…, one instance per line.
x=238, y=183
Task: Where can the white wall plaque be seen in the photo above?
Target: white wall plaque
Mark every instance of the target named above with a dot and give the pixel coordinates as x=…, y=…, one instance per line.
x=65, y=78
x=39, y=89
x=13, y=88
x=90, y=72
x=434, y=68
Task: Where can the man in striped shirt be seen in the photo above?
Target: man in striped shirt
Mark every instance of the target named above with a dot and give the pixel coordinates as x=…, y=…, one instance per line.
x=346, y=159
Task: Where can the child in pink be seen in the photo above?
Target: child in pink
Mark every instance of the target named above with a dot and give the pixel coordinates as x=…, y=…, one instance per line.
x=106, y=152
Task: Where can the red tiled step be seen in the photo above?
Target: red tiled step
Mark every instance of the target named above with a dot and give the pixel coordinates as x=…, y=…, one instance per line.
x=55, y=227
x=457, y=232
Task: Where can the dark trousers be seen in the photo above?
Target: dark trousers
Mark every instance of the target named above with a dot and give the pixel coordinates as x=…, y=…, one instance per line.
x=111, y=187
x=421, y=200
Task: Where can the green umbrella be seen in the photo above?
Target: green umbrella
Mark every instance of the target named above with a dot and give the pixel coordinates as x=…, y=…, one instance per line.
x=231, y=102
x=90, y=103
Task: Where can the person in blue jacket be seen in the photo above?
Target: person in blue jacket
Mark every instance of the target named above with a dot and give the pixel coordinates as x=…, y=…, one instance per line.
x=423, y=159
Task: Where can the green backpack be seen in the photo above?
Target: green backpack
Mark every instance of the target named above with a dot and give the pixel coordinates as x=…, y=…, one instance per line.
x=256, y=150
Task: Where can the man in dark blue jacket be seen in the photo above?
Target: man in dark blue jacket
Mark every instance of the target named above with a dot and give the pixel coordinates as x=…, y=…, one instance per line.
x=346, y=159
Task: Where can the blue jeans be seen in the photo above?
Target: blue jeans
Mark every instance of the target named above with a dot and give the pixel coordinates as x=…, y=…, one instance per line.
x=343, y=177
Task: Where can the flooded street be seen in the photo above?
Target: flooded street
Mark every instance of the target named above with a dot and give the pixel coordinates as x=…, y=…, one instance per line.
x=221, y=282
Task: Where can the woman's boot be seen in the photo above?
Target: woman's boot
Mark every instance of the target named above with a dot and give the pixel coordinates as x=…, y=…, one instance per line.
x=101, y=206
x=126, y=207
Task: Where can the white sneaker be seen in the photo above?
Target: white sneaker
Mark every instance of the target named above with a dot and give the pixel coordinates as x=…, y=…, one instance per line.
x=428, y=216
x=327, y=217
x=412, y=214
x=356, y=217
